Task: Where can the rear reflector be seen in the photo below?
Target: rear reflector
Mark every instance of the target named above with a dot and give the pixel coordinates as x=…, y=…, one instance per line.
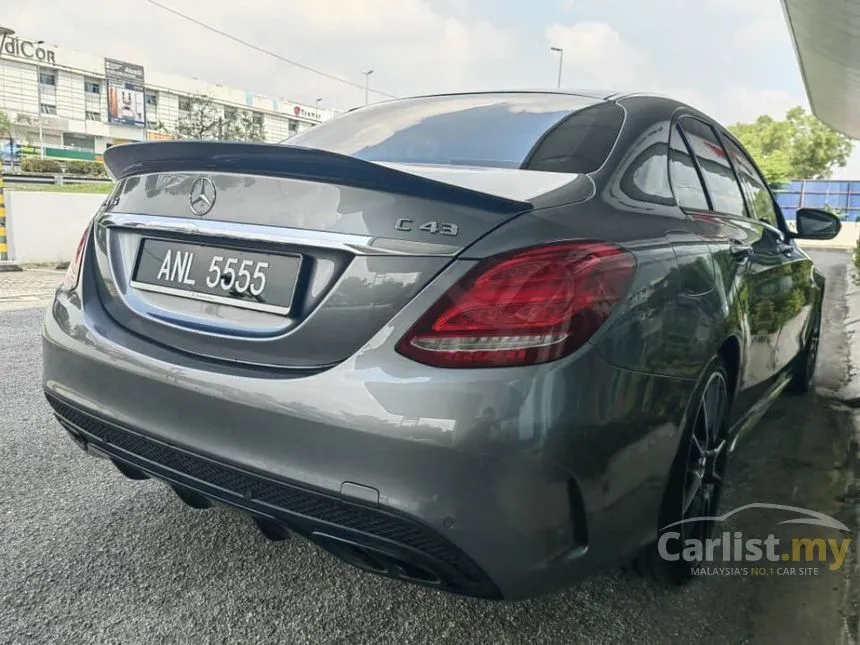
x=70, y=280
x=523, y=308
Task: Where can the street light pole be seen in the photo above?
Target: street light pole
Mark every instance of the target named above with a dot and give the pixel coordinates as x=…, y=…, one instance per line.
x=39, y=100
x=560, y=62
x=367, y=74
x=5, y=32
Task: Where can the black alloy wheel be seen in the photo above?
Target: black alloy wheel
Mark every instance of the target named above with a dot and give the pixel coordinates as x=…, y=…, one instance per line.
x=706, y=461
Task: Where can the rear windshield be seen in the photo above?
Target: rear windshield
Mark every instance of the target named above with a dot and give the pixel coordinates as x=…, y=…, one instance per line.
x=495, y=130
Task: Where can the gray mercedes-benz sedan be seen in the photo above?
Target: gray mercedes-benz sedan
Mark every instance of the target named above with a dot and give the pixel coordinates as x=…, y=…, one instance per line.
x=488, y=342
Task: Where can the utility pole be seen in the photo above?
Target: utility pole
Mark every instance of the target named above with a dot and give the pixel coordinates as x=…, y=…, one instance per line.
x=367, y=74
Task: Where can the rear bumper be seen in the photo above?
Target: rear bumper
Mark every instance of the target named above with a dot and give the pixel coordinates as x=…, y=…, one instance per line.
x=378, y=540
x=507, y=484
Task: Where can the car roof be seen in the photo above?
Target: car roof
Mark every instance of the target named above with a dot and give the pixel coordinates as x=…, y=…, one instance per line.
x=606, y=95
x=595, y=95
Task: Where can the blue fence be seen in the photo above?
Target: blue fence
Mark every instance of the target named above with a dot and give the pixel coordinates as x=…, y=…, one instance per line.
x=843, y=196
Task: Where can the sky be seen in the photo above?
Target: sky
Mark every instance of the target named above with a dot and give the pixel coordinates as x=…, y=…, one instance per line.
x=732, y=59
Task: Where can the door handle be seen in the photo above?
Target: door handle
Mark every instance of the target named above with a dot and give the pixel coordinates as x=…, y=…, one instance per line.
x=740, y=251
x=785, y=249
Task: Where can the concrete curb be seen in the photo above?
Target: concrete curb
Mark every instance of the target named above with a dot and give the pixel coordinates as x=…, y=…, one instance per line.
x=849, y=395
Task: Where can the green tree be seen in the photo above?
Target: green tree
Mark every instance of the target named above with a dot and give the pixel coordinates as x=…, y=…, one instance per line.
x=207, y=120
x=836, y=211
x=797, y=147
x=5, y=125
x=6, y=132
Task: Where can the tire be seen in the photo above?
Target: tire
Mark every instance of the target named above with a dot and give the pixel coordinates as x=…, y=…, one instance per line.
x=803, y=366
x=691, y=462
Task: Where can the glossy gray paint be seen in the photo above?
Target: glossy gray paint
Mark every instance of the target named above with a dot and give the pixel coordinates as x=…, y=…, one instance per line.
x=542, y=474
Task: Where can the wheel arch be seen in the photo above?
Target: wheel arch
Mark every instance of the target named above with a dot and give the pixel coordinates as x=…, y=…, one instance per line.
x=730, y=351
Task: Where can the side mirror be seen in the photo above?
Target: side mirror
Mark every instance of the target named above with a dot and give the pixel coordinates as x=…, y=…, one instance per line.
x=816, y=224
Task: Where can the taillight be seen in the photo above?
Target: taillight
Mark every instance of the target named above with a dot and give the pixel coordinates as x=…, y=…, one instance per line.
x=523, y=308
x=70, y=281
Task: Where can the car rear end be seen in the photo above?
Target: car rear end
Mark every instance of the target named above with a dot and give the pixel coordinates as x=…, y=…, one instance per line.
x=303, y=335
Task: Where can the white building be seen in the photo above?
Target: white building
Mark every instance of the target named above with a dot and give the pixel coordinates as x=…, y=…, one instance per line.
x=89, y=103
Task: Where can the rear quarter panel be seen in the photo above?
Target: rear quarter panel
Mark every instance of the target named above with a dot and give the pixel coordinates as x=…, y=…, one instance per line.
x=677, y=312
x=675, y=315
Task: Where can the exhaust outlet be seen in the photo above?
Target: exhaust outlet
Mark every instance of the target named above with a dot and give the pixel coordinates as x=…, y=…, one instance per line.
x=377, y=560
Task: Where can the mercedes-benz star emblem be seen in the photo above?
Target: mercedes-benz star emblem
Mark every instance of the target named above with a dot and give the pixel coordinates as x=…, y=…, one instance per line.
x=202, y=197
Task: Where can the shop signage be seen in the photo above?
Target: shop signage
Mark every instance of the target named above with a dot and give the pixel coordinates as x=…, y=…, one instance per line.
x=11, y=46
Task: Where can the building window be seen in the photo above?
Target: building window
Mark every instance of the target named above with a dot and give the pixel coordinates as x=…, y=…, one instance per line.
x=47, y=108
x=92, y=87
x=257, y=118
x=184, y=104
x=93, y=116
x=152, y=99
x=230, y=113
x=48, y=78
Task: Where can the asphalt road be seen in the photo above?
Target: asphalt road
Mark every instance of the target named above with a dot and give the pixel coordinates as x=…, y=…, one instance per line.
x=87, y=556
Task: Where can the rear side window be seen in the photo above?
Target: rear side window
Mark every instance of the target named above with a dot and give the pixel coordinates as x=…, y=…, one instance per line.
x=759, y=198
x=685, y=179
x=580, y=143
x=492, y=130
x=719, y=176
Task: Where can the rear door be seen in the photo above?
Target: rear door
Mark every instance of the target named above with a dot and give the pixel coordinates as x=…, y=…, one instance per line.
x=794, y=307
x=748, y=259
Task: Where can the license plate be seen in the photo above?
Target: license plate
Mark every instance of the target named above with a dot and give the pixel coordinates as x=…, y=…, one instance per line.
x=259, y=281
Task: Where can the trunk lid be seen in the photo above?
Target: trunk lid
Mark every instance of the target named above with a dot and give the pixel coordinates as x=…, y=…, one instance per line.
x=317, y=250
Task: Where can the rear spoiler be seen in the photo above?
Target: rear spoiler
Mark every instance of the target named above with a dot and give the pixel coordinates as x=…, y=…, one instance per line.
x=293, y=162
